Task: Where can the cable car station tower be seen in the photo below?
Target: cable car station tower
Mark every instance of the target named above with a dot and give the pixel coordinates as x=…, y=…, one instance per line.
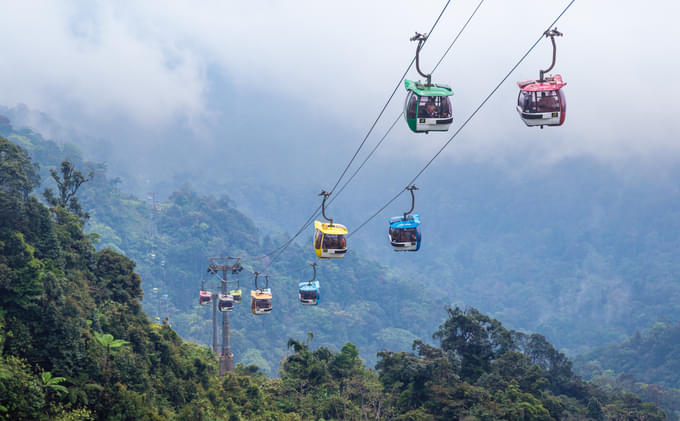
x=222, y=265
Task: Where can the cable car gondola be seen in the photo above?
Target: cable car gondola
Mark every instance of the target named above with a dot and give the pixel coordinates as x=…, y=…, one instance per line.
x=329, y=238
x=261, y=298
x=427, y=107
x=236, y=292
x=204, y=297
x=308, y=292
x=542, y=102
x=404, y=233
x=225, y=302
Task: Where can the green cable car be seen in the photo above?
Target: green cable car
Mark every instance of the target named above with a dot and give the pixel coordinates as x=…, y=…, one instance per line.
x=428, y=107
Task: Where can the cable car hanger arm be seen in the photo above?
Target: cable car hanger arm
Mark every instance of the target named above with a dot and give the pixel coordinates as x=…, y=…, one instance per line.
x=413, y=200
x=421, y=38
x=552, y=33
x=325, y=195
x=313, y=267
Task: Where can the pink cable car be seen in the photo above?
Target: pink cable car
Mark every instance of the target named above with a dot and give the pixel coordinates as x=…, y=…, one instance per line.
x=542, y=102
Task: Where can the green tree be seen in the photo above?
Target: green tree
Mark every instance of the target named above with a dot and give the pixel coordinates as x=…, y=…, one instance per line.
x=52, y=383
x=18, y=175
x=68, y=184
x=111, y=346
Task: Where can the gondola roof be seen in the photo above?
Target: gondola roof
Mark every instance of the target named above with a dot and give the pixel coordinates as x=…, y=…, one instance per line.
x=335, y=229
x=552, y=83
x=423, y=90
x=261, y=294
x=398, y=221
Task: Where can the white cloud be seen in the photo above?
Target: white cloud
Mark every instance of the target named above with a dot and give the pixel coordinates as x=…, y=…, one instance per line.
x=145, y=64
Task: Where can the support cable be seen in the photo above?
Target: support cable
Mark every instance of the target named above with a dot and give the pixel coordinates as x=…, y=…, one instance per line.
x=493, y=91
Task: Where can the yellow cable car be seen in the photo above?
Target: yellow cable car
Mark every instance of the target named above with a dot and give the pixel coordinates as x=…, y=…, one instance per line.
x=329, y=238
x=236, y=293
x=261, y=298
x=261, y=301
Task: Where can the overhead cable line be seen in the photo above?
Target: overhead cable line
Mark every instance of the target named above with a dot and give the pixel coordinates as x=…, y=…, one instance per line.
x=387, y=103
x=493, y=91
x=458, y=36
x=400, y=113
x=277, y=252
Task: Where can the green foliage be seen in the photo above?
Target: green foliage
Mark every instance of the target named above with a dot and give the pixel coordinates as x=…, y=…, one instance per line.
x=645, y=364
x=68, y=184
x=514, y=376
x=21, y=394
x=52, y=383
x=18, y=175
x=107, y=341
x=58, y=294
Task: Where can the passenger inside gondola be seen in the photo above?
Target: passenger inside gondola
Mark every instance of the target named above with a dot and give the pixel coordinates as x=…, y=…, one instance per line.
x=334, y=242
x=434, y=107
x=308, y=295
x=548, y=102
x=526, y=101
x=263, y=304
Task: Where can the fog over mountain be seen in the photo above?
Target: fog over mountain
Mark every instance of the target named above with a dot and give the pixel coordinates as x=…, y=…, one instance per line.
x=181, y=86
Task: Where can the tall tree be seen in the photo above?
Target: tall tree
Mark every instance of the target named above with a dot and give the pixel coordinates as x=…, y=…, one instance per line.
x=68, y=184
x=18, y=175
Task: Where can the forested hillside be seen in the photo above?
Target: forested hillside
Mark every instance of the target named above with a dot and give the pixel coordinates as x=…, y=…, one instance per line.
x=171, y=240
x=75, y=345
x=646, y=364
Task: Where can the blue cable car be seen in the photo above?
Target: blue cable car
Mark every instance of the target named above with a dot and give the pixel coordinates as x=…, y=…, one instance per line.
x=404, y=233
x=308, y=292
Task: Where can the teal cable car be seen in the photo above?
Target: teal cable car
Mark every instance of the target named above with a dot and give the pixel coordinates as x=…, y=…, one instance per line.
x=428, y=106
x=308, y=292
x=404, y=233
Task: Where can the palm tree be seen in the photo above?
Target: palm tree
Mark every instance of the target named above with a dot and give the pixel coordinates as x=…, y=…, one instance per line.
x=111, y=344
x=50, y=382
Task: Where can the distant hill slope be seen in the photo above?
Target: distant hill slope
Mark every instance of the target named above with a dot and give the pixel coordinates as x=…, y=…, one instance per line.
x=647, y=364
x=652, y=357
x=171, y=240
x=75, y=344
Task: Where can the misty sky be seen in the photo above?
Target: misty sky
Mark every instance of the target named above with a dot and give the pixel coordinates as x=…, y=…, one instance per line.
x=282, y=82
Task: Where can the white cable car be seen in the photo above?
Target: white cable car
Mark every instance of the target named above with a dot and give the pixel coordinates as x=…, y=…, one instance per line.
x=225, y=302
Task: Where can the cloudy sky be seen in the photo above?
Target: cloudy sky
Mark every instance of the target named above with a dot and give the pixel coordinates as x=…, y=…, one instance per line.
x=307, y=78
